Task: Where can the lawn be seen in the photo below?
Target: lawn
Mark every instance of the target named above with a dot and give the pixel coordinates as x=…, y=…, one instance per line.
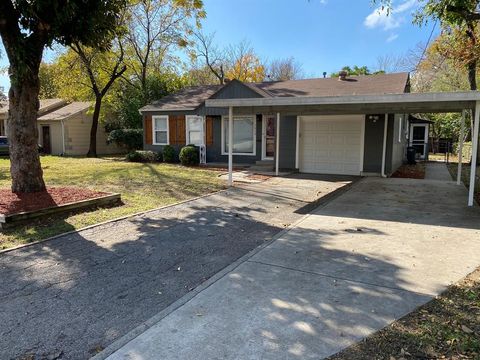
x=142, y=186
x=447, y=327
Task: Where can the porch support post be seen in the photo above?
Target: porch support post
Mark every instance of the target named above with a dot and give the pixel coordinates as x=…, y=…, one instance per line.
x=277, y=145
x=473, y=168
x=460, y=148
x=230, y=146
x=384, y=154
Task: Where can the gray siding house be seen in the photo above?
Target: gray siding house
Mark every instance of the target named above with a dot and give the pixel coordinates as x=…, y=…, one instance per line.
x=324, y=140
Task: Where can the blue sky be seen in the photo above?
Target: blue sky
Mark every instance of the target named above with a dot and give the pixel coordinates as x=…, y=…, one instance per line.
x=322, y=35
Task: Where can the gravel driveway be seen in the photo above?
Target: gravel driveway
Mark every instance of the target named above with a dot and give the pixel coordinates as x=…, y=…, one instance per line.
x=70, y=297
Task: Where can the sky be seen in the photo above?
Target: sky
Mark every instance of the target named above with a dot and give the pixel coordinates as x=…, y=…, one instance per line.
x=322, y=35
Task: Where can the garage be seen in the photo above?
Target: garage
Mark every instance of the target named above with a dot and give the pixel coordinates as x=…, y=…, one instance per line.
x=331, y=144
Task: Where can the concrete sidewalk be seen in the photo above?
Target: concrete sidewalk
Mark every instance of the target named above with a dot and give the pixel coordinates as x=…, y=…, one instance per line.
x=437, y=171
x=347, y=270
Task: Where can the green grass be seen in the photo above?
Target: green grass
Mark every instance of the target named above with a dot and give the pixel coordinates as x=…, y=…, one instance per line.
x=142, y=186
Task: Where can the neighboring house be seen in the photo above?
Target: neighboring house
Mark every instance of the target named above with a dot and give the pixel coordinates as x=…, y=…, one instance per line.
x=320, y=141
x=64, y=128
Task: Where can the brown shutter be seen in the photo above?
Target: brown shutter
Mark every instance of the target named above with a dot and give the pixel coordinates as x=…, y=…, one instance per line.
x=148, y=130
x=209, y=130
x=172, y=129
x=181, y=135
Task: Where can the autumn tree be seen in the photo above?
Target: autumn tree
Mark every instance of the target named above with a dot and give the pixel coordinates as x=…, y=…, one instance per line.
x=155, y=27
x=26, y=28
x=48, y=81
x=244, y=64
x=213, y=59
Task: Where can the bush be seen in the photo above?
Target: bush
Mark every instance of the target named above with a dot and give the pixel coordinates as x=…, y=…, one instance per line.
x=144, y=156
x=189, y=155
x=132, y=139
x=169, y=155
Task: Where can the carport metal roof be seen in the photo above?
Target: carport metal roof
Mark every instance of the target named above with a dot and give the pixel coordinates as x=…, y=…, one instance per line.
x=359, y=104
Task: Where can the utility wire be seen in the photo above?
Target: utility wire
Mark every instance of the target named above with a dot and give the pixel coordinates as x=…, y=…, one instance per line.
x=427, y=44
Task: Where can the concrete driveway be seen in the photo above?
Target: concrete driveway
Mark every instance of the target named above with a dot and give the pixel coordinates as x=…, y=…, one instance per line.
x=70, y=297
x=347, y=270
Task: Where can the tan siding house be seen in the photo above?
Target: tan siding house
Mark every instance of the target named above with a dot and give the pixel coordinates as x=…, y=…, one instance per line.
x=64, y=128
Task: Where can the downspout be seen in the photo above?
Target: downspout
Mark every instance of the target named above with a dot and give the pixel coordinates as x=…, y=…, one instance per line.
x=384, y=154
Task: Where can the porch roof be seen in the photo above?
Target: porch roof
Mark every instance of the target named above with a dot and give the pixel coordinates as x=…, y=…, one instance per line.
x=360, y=104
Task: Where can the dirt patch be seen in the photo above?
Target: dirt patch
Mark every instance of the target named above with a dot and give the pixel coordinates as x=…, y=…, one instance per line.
x=259, y=177
x=447, y=327
x=11, y=203
x=416, y=171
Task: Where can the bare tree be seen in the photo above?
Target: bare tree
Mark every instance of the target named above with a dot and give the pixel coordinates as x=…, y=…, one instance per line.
x=393, y=63
x=214, y=58
x=284, y=69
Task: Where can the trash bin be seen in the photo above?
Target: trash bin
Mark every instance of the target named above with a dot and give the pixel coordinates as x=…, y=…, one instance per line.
x=411, y=152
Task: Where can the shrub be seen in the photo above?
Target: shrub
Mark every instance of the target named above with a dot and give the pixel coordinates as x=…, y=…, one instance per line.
x=132, y=139
x=189, y=155
x=169, y=154
x=144, y=156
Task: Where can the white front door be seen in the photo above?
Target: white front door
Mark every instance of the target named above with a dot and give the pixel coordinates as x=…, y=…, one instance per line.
x=268, y=137
x=419, y=139
x=195, y=133
x=331, y=144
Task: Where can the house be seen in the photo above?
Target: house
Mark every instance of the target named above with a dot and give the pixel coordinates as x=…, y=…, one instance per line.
x=356, y=125
x=64, y=128
x=328, y=143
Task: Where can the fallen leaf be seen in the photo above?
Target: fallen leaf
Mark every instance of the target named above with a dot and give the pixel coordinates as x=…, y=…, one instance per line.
x=466, y=329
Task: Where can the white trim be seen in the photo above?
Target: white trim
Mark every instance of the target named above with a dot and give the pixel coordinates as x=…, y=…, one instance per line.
x=254, y=118
x=425, y=139
x=384, y=152
x=154, y=142
x=264, y=138
x=460, y=149
x=277, y=145
x=187, y=137
x=297, y=145
x=473, y=168
x=400, y=126
x=362, y=144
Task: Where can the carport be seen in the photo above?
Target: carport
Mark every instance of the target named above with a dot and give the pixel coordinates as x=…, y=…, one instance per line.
x=408, y=103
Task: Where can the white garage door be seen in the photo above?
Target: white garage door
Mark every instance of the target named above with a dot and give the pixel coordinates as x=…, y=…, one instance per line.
x=331, y=144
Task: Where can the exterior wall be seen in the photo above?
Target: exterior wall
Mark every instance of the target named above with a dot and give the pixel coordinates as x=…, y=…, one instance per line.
x=77, y=136
x=235, y=90
x=55, y=135
x=288, y=142
x=399, y=141
x=373, y=153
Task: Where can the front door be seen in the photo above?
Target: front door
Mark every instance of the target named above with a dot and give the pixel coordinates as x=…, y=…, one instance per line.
x=268, y=137
x=47, y=144
x=419, y=139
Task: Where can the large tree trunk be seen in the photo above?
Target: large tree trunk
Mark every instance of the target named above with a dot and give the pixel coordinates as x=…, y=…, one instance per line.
x=26, y=171
x=92, y=151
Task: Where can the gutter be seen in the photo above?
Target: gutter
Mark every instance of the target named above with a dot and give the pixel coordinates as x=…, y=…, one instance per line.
x=63, y=137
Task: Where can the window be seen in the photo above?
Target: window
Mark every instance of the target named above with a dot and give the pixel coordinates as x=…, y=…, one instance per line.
x=244, y=139
x=160, y=130
x=195, y=130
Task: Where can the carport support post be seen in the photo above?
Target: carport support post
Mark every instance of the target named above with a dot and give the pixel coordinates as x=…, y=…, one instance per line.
x=473, y=168
x=277, y=145
x=460, y=149
x=230, y=146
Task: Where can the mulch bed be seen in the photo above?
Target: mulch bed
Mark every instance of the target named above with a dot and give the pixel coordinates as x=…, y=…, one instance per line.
x=11, y=203
x=416, y=171
x=447, y=327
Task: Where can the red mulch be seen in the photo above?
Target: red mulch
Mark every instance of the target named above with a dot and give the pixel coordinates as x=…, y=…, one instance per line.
x=11, y=203
x=410, y=172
